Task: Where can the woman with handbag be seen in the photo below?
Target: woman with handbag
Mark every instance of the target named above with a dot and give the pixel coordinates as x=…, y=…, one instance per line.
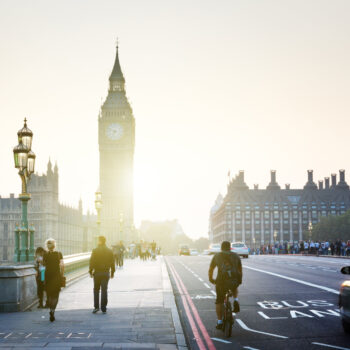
x=54, y=278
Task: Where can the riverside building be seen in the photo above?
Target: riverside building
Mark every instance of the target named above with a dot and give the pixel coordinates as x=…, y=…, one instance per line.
x=261, y=216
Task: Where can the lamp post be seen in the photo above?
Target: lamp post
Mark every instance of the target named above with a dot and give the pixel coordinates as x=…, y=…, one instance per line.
x=254, y=244
x=310, y=230
x=98, y=206
x=121, y=222
x=275, y=235
x=24, y=159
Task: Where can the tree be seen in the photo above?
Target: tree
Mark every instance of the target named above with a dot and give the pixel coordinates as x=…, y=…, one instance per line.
x=332, y=228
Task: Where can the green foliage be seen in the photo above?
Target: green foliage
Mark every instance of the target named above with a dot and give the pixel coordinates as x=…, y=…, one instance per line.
x=332, y=228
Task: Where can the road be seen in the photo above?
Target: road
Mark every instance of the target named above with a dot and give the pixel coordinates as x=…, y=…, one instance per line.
x=287, y=302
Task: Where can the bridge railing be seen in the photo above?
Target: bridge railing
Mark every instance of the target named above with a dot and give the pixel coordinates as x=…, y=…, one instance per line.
x=76, y=262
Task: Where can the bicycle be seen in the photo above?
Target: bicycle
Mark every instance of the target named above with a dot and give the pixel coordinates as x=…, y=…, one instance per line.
x=228, y=319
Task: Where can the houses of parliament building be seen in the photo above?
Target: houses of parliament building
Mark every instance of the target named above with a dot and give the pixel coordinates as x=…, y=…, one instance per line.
x=261, y=216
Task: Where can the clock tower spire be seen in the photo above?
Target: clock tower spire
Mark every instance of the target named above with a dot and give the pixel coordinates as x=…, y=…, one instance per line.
x=116, y=126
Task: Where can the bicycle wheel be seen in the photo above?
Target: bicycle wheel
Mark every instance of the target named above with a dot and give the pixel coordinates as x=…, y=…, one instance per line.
x=228, y=320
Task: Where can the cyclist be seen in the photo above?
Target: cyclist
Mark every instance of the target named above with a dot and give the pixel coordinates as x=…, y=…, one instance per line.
x=229, y=276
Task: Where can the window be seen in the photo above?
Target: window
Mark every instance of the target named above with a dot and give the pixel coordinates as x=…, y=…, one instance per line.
x=257, y=215
x=247, y=214
x=276, y=214
x=295, y=214
x=238, y=214
x=266, y=214
x=285, y=214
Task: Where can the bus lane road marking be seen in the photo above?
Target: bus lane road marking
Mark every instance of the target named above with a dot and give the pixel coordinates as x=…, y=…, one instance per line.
x=245, y=327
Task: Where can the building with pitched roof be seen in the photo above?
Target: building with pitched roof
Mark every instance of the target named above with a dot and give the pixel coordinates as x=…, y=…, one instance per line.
x=261, y=216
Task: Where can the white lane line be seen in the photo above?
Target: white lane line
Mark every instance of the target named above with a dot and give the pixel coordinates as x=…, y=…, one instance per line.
x=249, y=348
x=195, y=275
x=201, y=279
x=207, y=285
x=222, y=340
x=330, y=290
x=244, y=326
x=212, y=292
x=331, y=346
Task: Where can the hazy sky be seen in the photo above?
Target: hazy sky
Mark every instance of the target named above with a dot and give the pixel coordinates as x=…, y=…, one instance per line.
x=214, y=85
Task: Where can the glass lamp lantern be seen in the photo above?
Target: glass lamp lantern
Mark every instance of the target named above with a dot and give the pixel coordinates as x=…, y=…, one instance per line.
x=20, y=153
x=26, y=135
x=98, y=200
x=31, y=162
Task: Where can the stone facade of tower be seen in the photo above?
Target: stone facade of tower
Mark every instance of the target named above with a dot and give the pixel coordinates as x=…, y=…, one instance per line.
x=72, y=230
x=116, y=126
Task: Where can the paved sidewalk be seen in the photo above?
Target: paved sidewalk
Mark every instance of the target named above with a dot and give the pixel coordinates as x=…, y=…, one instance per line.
x=141, y=314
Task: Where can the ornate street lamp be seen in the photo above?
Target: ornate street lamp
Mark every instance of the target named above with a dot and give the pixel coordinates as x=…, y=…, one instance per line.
x=98, y=206
x=24, y=159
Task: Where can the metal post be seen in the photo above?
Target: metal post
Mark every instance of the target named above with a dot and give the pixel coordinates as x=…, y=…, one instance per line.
x=17, y=248
x=24, y=248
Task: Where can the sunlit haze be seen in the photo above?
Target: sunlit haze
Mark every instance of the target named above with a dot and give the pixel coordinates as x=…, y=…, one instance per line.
x=214, y=85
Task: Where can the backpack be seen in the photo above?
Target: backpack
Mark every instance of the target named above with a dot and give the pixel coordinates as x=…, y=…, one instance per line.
x=228, y=272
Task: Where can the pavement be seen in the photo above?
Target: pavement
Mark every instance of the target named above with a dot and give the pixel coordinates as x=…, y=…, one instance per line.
x=287, y=302
x=141, y=314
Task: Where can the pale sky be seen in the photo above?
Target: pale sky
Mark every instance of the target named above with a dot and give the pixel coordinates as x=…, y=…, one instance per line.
x=214, y=85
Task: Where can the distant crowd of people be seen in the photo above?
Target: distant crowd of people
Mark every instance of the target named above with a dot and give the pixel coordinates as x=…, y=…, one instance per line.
x=337, y=248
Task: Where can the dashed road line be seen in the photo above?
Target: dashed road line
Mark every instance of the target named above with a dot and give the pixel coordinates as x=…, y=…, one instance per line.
x=207, y=285
x=222, y=340
x=212, y=292
x=330, y=346
x=249, y=348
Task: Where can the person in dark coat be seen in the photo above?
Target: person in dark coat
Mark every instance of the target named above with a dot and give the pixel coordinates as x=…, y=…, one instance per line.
x=101, y=269
x=54, y=270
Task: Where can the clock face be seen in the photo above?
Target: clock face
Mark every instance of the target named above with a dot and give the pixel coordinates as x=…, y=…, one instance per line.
x=114, y=131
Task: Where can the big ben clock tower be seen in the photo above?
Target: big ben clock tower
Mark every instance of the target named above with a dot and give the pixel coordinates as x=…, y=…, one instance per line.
x=116, y=125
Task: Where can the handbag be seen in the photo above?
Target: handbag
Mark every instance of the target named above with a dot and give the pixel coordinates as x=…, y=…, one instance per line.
x=63, y=281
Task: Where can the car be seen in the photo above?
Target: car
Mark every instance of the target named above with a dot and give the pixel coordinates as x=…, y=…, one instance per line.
x=240, y=248
x=214, y=248
x=206, y=252
x=193, y=252
x=184, y=249
x=344, y=300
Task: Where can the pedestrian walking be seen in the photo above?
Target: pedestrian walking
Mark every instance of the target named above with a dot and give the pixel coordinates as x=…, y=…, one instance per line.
x=40, y=275
x=54, y=271
x=101, y=269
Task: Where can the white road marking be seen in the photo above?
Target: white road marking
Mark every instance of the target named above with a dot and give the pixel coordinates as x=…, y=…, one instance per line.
x=207, y=285
x=212, y=292
x=330, y=290
x=249, y=348
x=331, y=346
x=244, y=326
x=201, y=279
x=222, y=340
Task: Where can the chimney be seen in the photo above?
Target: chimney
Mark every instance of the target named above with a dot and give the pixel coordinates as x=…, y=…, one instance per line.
x=273, y=185
x=320, y=185
x=310, y=185
x=287, y=186
x=310, y=176
x=273, y=176
x=241, y=175
x=342, y=184
x=256, y=186
x=334, y=180
x=326, y=183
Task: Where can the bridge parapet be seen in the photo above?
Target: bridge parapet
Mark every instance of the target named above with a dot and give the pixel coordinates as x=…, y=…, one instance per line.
x=18, y=284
